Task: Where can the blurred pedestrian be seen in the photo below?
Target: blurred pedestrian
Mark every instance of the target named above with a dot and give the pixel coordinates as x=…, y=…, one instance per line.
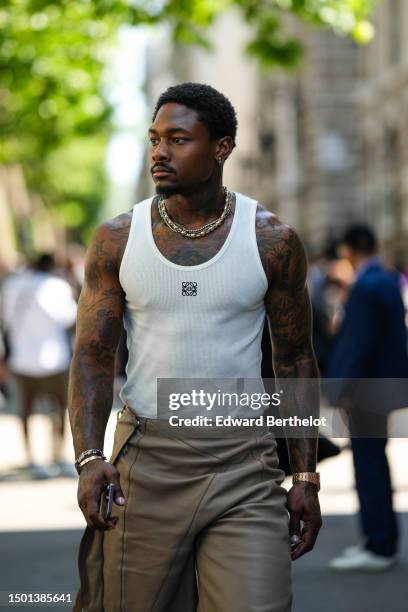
x=37, y=310
x=370, y=344
x=321, y=290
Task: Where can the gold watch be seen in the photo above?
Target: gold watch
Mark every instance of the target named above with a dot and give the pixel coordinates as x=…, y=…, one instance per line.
x=313, y=477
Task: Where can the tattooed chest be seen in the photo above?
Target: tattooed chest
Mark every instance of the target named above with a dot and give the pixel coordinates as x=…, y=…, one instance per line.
x=187, y=251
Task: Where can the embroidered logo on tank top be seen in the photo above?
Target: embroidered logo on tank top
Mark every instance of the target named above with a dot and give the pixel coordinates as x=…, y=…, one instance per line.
x=189, y=288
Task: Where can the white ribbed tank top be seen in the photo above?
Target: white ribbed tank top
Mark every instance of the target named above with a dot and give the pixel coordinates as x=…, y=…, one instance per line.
x=211, y=328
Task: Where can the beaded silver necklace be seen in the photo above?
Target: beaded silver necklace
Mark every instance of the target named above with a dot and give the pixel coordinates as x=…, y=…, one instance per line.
x=201, y=231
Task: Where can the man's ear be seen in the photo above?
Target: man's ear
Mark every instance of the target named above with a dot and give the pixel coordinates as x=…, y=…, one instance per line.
x=223, y=148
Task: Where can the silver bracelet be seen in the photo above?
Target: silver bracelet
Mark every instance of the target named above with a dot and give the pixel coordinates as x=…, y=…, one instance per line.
x=88, y=453
x=88, y=459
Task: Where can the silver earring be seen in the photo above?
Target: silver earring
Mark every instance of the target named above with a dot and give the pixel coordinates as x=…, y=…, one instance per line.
x=219, y=160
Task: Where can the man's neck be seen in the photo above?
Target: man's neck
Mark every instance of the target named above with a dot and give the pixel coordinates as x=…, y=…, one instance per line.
x=203, y=205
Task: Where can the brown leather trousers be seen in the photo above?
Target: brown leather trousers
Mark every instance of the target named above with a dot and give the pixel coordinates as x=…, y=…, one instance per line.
x=204, y=527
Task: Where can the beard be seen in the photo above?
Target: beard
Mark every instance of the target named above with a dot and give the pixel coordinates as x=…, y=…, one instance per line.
x=187, y=190
x=168, y=191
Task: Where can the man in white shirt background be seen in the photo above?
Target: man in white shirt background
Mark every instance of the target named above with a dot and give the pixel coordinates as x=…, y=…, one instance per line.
x=38, y=308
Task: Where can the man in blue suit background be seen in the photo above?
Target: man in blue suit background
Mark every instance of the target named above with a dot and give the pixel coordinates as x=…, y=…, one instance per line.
x=371, y=344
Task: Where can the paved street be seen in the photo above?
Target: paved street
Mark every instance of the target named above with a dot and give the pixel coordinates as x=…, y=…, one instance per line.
x=41, y=527
x=41, y=561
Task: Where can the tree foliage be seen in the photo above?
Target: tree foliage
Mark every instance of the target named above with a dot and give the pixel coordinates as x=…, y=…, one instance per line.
x=270, y=42
x=54, y=118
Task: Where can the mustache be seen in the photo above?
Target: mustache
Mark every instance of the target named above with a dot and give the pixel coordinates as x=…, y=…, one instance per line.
x=161, y=166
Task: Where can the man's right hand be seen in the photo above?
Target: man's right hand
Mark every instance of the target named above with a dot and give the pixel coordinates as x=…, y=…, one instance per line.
x=95, y=476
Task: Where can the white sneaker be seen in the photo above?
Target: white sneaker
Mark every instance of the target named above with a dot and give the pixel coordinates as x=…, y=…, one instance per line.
x=39, y=472
x=352, y=550
x=62, y=469
x=361, y=560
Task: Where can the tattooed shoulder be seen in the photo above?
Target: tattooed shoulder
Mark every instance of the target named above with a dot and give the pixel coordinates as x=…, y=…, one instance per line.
x=109, y=241
x=280, y=248
x=117, y=233
x=106, y=249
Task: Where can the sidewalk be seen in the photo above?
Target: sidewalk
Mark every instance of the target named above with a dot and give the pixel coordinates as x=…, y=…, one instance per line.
x=315, y=588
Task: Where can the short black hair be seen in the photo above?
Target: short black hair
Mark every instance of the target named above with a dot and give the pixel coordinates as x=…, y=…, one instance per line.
x=44, y=262
x=212, y=107
x=361, y=239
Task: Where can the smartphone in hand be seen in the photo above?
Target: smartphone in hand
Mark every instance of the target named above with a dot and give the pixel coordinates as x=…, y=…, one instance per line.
x=107, y=501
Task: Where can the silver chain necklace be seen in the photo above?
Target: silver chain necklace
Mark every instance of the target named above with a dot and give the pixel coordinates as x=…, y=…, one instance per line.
x=201, y=231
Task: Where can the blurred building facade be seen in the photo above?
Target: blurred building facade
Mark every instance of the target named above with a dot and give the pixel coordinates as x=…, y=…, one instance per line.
x=27, y=225
x=323, y=146
x=383, y=106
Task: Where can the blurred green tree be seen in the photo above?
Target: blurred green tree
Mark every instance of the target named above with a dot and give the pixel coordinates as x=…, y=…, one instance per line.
x=54, y=117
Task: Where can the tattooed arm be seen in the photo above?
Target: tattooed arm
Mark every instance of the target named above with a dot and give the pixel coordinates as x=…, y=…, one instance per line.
x=289, y=316
x=99, y=326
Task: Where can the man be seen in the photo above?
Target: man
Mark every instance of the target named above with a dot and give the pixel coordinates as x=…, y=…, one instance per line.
x=371, y=344
x=38, y=309
x=199, y=516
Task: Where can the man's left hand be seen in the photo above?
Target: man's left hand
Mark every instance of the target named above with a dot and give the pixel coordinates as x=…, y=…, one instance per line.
x=303, y=505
